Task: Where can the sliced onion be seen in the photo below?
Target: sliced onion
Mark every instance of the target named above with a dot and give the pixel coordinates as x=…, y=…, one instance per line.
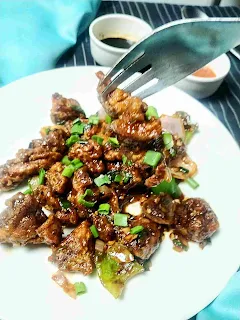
x=99, y=245
x=64, y=283
x=173, y=125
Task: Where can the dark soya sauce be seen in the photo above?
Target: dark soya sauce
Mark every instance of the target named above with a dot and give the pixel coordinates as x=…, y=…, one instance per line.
x=118, y=42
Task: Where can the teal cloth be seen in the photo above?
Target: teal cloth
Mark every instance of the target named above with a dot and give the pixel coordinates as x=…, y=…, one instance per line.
x=35, y=33
x=227, y=305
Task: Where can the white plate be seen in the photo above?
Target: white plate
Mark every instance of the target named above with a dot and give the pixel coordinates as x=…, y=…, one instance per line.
x=178, y=285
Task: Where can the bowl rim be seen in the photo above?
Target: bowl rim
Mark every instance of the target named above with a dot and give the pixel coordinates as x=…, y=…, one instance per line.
x=197, y=79
x=109, y=16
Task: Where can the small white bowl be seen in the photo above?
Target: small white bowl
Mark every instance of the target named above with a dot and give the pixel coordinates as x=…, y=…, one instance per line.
x=114, y=26
x=199, y=87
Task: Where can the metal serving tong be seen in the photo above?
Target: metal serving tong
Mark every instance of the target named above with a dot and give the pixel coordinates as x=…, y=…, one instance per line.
x=170, y=53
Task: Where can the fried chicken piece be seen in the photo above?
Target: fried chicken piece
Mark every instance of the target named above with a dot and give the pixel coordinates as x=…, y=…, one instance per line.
x=195, y=219
x=81, y=179
x=56, y=180
x=159, y=209
x=85, y=152
x=68, y=217
x=20, y=220
x=75, y=253
x=105, y=227
x=47, y=198
x=50, y=231
x=42, y=153
x=65, y=109
x=144, y=244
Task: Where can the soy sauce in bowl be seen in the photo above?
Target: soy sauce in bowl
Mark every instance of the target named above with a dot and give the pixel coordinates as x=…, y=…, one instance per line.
x=118, y=42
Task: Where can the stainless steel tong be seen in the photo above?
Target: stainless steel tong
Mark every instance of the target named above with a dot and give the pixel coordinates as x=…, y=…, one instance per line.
x=170, y=53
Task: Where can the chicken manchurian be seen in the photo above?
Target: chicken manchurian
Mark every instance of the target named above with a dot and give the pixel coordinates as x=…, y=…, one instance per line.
x=114, y=179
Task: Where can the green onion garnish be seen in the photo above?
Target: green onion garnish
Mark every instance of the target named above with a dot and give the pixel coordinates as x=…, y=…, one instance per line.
x=68, y=171
x=152, y=158
x=94, y=119
x=77, y=120
x=104, y=208
x=98, y=139
x=66, y=161
x=168, y=140
x=118, y=178
x=65, y=203
x=120, y=219
x=127, y=177
x=124, y=159
x=184, y=170
x=101, y=180
x=88, y=204
x=136, y=229
x=178, y=243
x=77, y=164
x=188, y=136
x=108, y=119
x=94, y=231
x=73, y=139
x=47, y=130
x=114, y=141
x=80, y=288
x=78, y=128
x=151, y=112
x=41, y=176
x=28, y=191
x=193, y=183
x=172, y=152
x=171, y=188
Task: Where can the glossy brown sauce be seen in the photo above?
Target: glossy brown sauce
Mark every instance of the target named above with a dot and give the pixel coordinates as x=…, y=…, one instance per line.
x=205, y=72
x=118, y=42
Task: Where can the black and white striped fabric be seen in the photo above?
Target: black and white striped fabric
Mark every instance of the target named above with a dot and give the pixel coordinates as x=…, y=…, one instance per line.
x=225, y=103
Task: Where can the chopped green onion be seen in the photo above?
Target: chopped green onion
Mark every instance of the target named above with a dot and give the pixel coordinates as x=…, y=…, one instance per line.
x=120, y=219
x=184, y=170
x=124, y=159
x=136, y=229
x=88, y=204
x=28, y=191
x=47, y=130
x=102, y=179
x=172, y=152
x=193, y=183
x=77, y=120
x=188, y=136
x=41, y=176
x=114, y=141
x=108, y=119
x=171, y=188
x=94, y=119
x=104, y=208
x=77, y=164
x=127, y=177
x=73, y=139
x=98, y=139
x=68, y=171
x=78, y=128
x=168, y=140
x=94, y=231
x=66, y=161
x=151, y=112
x=65, y=203
x=178, y=243
x=80, y=288
x=129, y=163
x=152, y=158
x=118, y=178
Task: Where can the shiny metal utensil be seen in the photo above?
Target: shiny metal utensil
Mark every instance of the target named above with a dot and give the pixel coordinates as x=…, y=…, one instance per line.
x=172, y=52
x=194, y=12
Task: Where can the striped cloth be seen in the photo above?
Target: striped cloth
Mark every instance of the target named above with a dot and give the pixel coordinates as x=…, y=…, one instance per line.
x=224, y=104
